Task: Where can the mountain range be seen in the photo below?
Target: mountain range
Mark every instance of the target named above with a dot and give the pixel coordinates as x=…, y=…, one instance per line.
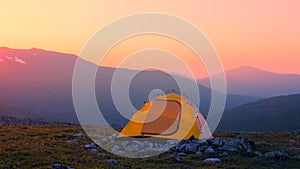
x=37, y=83
x=255, y=82
x=40, y=82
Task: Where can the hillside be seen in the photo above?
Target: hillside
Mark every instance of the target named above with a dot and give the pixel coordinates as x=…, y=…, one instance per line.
x=255, y=82
x=273, y=114
x=40, y=82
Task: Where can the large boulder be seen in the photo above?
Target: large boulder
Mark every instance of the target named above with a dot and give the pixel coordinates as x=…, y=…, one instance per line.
x=238, y=144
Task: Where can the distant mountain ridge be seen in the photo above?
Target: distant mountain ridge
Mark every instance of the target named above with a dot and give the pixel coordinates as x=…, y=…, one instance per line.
x=278, y=113
x=255, y=82
x=43, y=85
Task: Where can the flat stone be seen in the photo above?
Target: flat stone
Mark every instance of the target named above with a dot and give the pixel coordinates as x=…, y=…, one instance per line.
x=223, y=154
x=112, y=161
x=257, y=153
x=91, y=145
x=199, y=153
x=92, y=150
x=78, y=134
x=178, y=159
x=181, y=154
x=209, y=150
x=172, y=142
x=212, y=160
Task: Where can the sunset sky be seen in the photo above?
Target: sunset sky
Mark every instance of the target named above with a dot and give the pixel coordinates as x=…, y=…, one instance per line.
x=260, y=33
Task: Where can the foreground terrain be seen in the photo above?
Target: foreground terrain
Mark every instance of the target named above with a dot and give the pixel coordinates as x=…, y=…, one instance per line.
x=44, y=146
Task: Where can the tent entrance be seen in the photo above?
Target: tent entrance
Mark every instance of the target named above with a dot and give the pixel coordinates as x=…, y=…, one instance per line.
x=163, y=118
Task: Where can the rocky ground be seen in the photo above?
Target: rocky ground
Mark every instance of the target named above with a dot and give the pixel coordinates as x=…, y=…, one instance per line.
x=26, y=121
x=68, y=147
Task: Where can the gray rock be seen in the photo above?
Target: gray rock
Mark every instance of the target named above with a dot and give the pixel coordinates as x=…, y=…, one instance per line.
x=141, y=144
x=150, y=145
x=210, y=141
x=162, y=149
x=209, y=150
x=212, y=160
x=181, y=154
x=247, y=144
x=104, y=133
x=223, y=154
x=112, y=161
x=230, y=145
x=199, y=153
x=257, y=153
x=93, y=151
x=191, y=147
x=120, y=152
x=182, y=142
x=91, y=145
x=178, y=159
x=115, y=148
x=270, y=155
x=204, y=143
x=217, y=142
x=124, y=144
x=276, y=154
x=237, y=144
x=290, y=150
x=172, y=142
x=72, y=142
x=114, y=135
x=202, y=148
x=105, y=140
x=78, y=134
x=142, y=152
x=61, y=166
x=131, y=148
x=180, y=147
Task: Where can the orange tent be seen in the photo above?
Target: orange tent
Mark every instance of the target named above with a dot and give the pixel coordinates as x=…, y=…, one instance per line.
x=170, y=116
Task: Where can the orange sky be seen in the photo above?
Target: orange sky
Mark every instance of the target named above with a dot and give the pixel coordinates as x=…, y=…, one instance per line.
x=260, y=33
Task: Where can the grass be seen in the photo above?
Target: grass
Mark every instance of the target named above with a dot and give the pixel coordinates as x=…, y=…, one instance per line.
x=43, y=146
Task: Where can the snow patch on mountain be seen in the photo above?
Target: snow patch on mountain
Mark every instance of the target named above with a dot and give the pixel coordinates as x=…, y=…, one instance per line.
x=16, y=59
x=19, y=60
x=9, y=58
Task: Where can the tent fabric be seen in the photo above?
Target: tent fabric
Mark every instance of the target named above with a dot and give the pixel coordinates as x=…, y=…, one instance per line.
x=170, y=116
x=162, y=118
